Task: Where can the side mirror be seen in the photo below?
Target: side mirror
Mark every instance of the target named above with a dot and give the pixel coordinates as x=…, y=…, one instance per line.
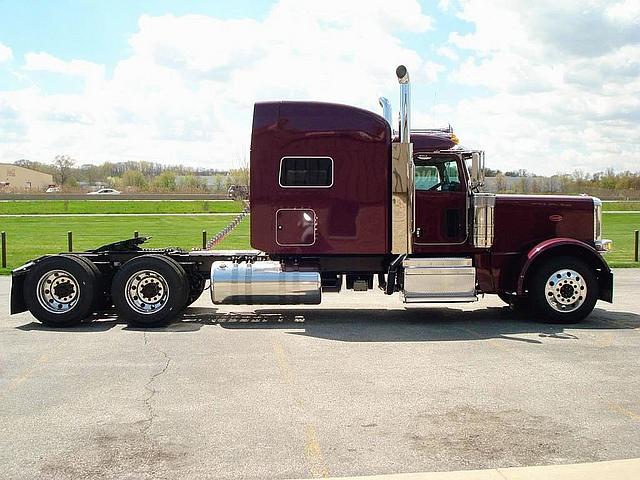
x=477, y=169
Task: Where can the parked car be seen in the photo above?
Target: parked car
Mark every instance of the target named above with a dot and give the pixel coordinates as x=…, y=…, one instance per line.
x=53, y=189
x=238, y=192
x=105, y=191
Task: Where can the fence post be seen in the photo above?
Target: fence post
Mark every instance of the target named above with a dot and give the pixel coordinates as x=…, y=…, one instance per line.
x=135, y=234
x=204, y=239
x=4, y=250
x=636, y=246
x=70, y=240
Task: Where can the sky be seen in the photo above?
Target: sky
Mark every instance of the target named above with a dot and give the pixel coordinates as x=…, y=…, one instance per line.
x=548, y=86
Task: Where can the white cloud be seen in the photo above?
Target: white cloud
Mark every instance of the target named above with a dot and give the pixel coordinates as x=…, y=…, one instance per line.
x=562, y=83
x=45, y=62
x=5, y=53
x=186, y=92
x=448, y=52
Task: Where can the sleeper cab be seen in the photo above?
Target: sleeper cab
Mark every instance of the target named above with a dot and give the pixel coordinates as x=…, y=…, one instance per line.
x=319, y=179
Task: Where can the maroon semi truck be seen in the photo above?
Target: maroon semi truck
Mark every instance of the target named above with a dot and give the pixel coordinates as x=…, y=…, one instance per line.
x=339, y=201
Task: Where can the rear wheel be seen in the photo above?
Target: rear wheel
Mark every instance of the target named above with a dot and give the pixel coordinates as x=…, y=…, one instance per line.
x=102, y=300
x=563, y=290
x=61, y=290
x=150, y=290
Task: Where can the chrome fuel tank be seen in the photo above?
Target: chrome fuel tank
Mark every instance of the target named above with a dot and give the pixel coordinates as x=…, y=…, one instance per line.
x=263, y=282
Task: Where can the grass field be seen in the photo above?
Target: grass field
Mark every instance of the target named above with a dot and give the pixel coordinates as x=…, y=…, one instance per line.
x=618, y=206
x=114, y=206
x=29, y=237
x=619, y=227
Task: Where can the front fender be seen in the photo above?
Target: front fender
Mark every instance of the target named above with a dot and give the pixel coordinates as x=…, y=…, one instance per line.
x=570, y=247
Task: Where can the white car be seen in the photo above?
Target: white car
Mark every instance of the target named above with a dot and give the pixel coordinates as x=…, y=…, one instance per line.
x=105, y=191
x=53, y=190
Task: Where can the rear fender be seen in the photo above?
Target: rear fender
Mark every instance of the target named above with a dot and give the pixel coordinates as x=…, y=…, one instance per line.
x=574, y=248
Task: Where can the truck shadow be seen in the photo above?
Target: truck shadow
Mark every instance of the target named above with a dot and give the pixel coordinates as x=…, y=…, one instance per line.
x=374, y=325
x=432, y=324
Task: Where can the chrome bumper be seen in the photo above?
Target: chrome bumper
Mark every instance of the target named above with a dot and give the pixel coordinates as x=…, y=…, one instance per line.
x=604, y=246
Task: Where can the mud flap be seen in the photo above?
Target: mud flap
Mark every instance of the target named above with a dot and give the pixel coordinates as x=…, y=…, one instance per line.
x=17, y=294
x=605, y=279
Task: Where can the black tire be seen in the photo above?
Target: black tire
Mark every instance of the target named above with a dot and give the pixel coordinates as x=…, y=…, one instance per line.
x=575, y=287
x=102, y=300
x=150, y=290
x=66, y=274
x=517, y=304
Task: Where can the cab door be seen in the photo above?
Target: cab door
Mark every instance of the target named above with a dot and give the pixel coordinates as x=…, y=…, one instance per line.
x=441, y=201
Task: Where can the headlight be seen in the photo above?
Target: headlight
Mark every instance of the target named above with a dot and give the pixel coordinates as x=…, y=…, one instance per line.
x=597, y=219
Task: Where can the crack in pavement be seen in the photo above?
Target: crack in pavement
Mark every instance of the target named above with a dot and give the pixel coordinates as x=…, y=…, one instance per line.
x=151, y=389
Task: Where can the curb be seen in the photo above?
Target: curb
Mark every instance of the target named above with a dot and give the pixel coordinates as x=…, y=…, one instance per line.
x=609, y=470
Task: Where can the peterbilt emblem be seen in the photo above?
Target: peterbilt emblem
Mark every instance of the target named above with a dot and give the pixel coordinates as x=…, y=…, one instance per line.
x=556, y=218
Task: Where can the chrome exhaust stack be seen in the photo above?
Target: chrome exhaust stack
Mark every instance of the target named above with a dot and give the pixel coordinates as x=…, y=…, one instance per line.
x=402, y=188
x=387, y=113
x=405, y=104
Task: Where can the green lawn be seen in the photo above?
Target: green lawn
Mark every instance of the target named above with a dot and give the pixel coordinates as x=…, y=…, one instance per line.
x=626, y=206
x=30, y=237
x=114, y=206
x=619, y=227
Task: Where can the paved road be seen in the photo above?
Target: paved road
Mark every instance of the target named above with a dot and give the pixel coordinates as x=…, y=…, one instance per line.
x=361, y=386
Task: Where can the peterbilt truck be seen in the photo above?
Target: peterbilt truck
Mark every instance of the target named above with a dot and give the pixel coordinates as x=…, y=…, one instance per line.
x=339, y=201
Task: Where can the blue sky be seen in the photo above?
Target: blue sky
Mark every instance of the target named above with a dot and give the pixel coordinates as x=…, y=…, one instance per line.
x=174, y=81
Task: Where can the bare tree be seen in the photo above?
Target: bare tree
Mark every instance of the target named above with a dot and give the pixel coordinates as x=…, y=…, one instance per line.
x=239, y=175
x=64, y=163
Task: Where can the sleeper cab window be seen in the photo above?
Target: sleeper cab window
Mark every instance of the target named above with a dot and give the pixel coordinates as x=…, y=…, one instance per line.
x=306, y=172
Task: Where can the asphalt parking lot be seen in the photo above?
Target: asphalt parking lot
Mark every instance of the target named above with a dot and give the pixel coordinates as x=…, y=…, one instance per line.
x=359, y=386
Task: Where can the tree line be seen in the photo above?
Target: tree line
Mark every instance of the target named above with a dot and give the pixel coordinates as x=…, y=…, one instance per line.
x=156, y=177
x=624, y=183
x=138, y=176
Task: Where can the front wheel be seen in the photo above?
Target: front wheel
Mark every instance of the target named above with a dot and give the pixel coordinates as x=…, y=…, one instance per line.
x=563, y=290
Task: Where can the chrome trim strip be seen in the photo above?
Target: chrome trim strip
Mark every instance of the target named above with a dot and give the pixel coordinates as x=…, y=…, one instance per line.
x=597, y=219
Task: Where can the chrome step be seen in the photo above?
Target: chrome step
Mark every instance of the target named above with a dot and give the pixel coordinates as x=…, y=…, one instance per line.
x=439, y=280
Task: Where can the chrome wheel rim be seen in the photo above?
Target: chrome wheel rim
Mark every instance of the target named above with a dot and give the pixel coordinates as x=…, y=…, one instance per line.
x=566, y=290
x=147, y=292
x=58, y=291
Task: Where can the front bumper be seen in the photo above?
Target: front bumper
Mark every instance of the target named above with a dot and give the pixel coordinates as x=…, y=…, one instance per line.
x=604, y=246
